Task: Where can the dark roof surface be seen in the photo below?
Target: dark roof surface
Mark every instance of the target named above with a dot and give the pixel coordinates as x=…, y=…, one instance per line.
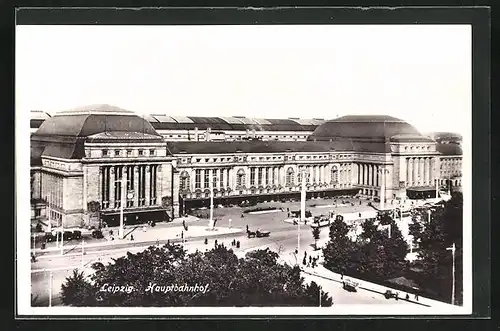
x=63, y=135
x=371, y=127
x=449, y=149
x=166, y=122
x=120, y=136
x=410, y=137
x=274, y=147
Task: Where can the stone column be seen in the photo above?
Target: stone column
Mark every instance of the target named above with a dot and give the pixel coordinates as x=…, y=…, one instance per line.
x=421, y=172
x=100, y=187
x=365, y=174
x=374, y=171
x=159, y=180
x=415, y=171
x=148, y=178
x=407, y=179
x=112, y=185
x=429, y=171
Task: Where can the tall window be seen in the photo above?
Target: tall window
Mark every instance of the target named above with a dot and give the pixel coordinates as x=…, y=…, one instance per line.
x=289, y=177
x=206, y=179
x=274, y=170
x=335, y=175
x=268, y=175
x=221, y=178
x=197, y=176
x=240, y=178
x=214, y=178
x=252, y=176
x=184, y=181
x=260, y=176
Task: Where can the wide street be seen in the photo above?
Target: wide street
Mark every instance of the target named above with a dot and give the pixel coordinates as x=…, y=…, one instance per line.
x=283, y=239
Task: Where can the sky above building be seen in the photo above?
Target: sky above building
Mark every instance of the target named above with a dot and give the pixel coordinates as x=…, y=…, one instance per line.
x=419, y=73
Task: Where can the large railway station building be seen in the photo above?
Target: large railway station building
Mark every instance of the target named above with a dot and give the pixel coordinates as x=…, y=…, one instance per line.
x=81, y=158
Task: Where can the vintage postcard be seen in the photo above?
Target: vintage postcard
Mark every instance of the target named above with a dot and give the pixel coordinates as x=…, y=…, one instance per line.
x=244, y=169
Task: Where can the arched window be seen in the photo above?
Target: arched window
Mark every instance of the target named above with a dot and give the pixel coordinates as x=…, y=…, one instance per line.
x=184, y=180
x=290, y=176
x=240, y=178
x=335, y=175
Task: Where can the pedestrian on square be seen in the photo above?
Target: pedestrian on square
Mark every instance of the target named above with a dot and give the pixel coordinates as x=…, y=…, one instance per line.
x=215, y=242
x=310, y=259
x=416, y=296
x=407, y=296
x=182, y=235
x=184, y=224
x=238, y=244
x=206, y=241
x=247, y=227
x=341, y=275
x=131, y=237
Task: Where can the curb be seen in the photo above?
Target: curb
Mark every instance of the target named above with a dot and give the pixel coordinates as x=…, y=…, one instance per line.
x=364, y=288
x=137, y=243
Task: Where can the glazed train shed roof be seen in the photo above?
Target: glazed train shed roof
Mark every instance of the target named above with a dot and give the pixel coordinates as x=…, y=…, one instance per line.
x=166, y=122
x=169, y=122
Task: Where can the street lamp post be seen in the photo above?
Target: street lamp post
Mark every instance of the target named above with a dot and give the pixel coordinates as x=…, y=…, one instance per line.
x=302, y=206
x=50, y=289
x=211, y=185
x=122, y=203
x=452, y=249
x=62, y=237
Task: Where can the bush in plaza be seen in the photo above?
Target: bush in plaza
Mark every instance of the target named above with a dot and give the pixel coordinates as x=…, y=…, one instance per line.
x=255, y=280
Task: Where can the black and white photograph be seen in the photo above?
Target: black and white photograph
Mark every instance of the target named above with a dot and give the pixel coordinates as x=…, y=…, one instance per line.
x=236, y=169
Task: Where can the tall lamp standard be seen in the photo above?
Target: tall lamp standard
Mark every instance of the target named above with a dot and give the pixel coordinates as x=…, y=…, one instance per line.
x=302, y=207
x=211, y=185
x=123, y=197
x=452, y=249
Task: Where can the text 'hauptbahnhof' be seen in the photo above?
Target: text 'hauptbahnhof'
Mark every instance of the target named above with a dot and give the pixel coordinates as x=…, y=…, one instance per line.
x=81, y=158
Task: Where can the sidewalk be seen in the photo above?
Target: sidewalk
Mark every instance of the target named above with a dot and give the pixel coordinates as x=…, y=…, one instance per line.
x=151, y=235
x=322, y=272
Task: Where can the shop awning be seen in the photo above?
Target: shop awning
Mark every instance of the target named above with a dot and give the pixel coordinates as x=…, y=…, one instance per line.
x=421, y=188
x=133, y=211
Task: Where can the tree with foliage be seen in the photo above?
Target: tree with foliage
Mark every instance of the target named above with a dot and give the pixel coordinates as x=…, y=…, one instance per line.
x=433, y=238
x=382, y=255
x=316, y=231
x=340, y=248
x=256, y=280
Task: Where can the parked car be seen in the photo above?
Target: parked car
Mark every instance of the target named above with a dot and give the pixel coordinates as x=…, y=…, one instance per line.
x=68, y=235
x=97, y=234
x=389, y=294
x=349, y=285
x=77, y=234
x=49, y=237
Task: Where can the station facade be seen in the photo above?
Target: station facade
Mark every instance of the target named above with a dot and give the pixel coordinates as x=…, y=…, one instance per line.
x=82, y=159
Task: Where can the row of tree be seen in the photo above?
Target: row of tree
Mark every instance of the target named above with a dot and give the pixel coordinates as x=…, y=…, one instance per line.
x=256, y=280
x=380, y=250
x=376, y=252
